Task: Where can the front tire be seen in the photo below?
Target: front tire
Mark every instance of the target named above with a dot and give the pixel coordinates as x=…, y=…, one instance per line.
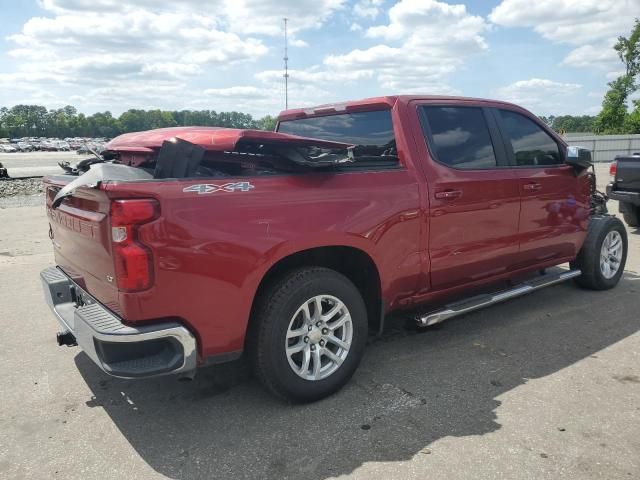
x=603, y=256
x=309, y=336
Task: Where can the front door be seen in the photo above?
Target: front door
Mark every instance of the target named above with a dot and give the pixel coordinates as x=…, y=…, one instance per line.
x=555, y=203
x=474, y=196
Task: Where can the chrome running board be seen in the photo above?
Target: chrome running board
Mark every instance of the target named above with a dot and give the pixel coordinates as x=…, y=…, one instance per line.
x=481, y=301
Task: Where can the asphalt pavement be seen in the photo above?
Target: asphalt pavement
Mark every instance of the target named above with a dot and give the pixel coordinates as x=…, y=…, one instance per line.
x=542, y=387
x=30, y=164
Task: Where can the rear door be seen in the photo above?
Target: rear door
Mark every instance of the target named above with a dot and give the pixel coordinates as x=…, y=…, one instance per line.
x=474, y=199
x=554, y=209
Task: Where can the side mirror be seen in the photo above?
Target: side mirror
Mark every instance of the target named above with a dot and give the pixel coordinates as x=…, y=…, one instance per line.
x=579, y=157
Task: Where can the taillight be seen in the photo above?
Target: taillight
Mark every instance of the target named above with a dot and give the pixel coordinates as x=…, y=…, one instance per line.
x=132, y=259
x=613, y=169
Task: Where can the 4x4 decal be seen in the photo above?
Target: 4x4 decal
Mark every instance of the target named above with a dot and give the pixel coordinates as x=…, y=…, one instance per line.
x=212, y=188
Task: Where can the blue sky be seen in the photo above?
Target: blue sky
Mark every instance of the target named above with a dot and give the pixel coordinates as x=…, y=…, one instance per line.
x=551, y=56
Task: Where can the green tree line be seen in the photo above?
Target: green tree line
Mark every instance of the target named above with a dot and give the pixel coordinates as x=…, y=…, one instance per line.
x=570, y=123
x=37, y=121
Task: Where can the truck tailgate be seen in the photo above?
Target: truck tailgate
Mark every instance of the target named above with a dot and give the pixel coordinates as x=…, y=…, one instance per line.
x=628, y=174
x=79, y=229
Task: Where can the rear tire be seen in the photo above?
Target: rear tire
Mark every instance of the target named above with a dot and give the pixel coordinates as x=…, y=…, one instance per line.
x=295, y=315
x=631, y=214
x=603, y=256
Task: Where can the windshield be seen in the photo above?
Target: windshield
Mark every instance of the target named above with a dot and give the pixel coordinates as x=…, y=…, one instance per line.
x=371, y=129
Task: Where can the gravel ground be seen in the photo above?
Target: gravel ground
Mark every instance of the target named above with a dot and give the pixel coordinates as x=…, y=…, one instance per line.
x=20, y=192
x=13, y=187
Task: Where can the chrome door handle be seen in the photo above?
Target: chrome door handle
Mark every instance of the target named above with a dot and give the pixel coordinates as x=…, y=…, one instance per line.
x=448, y=194
x=532, y=187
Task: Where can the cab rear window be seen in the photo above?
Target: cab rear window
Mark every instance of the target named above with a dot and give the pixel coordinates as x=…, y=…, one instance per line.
x=371, y=133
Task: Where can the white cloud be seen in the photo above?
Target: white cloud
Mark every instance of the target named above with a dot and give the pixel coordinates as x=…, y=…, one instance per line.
x=424, y=41
x=308, y=87
x=175, y=44
x=237, y=92
x=601, y=56
x=145, y=53
x=539, y=95
x=614, y=74
x=314, y=76
x=64, y=6
x=436, y=23
x=267, y=97
x=592, y=110
x=298, y=43
x=592, y=25
x=368, y=8
x=568, y=21
x=265, y=16
x=241, y=16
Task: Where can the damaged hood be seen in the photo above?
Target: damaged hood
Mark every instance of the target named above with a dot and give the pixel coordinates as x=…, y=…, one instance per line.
x=210, y=138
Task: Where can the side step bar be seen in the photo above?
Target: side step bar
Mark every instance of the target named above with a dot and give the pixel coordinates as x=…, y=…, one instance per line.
x=481, y=301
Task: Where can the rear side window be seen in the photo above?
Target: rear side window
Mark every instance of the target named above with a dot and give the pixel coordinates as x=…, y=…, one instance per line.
x=459, y=137
x=531, y=144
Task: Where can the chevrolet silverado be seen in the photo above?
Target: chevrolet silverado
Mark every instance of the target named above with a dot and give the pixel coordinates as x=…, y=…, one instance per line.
x=182, y=247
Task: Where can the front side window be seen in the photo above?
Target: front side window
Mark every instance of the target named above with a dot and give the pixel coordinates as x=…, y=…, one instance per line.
x=532, y=146
x=459, y=137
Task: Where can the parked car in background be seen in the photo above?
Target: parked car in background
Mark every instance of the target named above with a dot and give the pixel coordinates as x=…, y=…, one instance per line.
x=62, y=146
x=88, y=148
x=7, y=148
x=624, y=186
x=48, y=146
x=24, y=147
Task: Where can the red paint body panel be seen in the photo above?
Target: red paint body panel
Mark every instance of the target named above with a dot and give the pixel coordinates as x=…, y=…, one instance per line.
x=210, y=252
x=554, y=216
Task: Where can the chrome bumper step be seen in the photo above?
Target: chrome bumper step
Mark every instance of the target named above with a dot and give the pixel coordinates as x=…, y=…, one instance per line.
x=481, y=301
x=118, y=349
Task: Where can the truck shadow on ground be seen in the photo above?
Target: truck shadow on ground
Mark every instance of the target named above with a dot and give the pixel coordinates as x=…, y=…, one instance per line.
x=412, y=389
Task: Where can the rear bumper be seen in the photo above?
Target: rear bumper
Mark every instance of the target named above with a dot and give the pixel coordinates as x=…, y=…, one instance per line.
x=625, y=197
x=118, y=349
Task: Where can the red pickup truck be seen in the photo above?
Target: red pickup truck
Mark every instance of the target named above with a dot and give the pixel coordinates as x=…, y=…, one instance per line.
x=184, y=247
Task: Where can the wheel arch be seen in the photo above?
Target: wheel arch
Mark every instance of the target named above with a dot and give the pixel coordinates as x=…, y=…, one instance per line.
x=352, y=262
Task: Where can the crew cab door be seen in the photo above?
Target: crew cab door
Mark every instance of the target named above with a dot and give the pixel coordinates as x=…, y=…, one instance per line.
x=554, y=201
x=474, y=198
